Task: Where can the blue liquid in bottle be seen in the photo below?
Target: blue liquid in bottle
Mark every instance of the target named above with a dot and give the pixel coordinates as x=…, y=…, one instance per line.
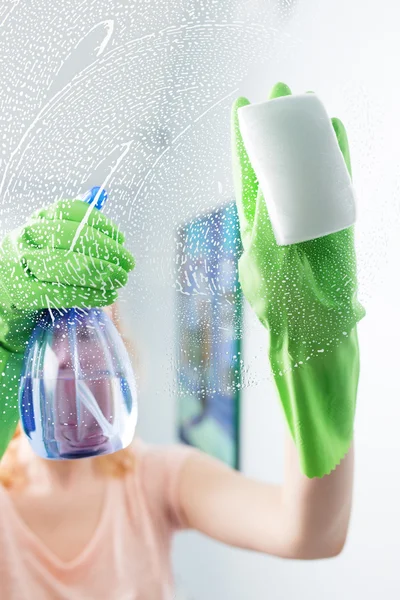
x=77, y=394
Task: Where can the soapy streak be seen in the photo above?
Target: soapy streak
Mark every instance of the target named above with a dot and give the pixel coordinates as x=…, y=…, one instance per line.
x=61, y=95
x=93, y=203
x=175, y=140
x=14, y=6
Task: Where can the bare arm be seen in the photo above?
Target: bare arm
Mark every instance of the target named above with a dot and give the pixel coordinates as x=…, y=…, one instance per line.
x=303, y=518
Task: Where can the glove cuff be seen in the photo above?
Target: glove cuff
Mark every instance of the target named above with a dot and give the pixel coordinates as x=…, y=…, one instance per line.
x=16, y=328
x=318, y=398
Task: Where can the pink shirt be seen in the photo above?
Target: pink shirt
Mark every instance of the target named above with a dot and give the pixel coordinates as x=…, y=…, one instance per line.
x=128, y=558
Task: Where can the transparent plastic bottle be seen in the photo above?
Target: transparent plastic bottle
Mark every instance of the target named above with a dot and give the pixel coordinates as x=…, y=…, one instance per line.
x=77, y=393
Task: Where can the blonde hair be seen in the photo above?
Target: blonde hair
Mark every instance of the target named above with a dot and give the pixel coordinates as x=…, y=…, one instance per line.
x=13, y=471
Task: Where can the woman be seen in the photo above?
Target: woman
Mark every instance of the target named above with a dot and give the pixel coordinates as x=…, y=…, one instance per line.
x=102, y=527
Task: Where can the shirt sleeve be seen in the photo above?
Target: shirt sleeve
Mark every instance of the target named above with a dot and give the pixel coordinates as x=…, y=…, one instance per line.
x=161, y=467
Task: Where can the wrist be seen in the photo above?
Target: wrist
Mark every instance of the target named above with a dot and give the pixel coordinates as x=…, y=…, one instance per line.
x=16, y=327
x=319, y=402
x=286, y=355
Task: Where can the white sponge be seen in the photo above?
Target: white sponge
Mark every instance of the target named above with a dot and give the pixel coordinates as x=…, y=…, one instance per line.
x=293, y=149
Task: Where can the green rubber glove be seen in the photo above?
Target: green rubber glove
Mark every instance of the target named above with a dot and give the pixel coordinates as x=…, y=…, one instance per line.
x=306, y=296
x=66, y=255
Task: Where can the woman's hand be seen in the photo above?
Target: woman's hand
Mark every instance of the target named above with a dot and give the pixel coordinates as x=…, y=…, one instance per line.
x=305, y=294
x=66, y=255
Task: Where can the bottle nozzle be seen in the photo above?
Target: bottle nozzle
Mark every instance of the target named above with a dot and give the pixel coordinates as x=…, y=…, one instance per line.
x=96, y=195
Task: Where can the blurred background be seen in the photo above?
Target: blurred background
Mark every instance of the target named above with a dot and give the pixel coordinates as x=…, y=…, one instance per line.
x=136, y=96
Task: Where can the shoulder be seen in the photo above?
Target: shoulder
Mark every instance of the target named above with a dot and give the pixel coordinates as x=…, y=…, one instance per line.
x=145, y=451
x=157, y=473
x=160, y=464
